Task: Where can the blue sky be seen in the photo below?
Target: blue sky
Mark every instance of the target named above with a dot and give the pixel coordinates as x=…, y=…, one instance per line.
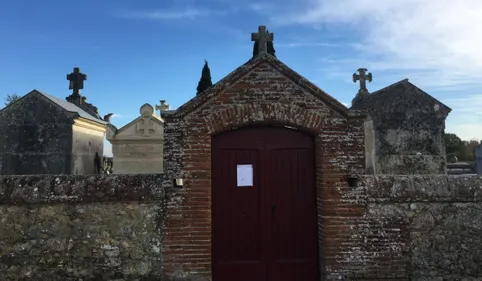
x=135, y=52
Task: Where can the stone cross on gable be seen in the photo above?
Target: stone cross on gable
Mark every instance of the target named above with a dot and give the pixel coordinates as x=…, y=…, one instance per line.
x=76, y=79
x=362, y=77
x=163, y=106
x=263, y=37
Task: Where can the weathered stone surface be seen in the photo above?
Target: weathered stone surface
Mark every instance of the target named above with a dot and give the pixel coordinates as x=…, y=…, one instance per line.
x=81, y=188
x=442, y=216
x=433, y=188
x=114, y=227
x=41, y=134
x=93, y=227
x=138, y=146
x=408, y=126
x=32, y=142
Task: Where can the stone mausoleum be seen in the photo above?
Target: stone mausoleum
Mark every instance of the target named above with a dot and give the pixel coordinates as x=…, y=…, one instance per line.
x=42, y=134
x=404, y=134
x=138, y=146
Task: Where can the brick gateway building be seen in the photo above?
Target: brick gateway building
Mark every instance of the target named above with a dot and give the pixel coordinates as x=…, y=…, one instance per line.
x=294, y=147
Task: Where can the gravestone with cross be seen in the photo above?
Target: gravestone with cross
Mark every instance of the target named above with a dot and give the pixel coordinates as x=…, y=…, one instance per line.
x=262, y=37
x=363, y=76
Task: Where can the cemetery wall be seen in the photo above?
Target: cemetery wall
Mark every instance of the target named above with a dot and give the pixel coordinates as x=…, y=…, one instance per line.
x=112, y=227
x=81, y=227
x=420, y=227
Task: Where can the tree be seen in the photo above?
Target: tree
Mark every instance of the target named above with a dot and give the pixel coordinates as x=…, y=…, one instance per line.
x=9, y=99
x=205, y=81
x=453, y=143
x=269, y=48
x=467, y=152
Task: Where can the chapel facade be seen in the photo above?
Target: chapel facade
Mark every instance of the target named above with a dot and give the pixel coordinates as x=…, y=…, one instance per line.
x=265, y=157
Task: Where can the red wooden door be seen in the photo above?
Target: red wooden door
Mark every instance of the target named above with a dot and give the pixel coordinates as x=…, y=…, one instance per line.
x=266, y=230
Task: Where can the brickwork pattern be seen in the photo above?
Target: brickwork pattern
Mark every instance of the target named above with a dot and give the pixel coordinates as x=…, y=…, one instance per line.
x=261, y=92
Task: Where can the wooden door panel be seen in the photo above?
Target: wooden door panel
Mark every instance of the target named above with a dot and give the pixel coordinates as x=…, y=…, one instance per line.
x=237, y=232
x=293, y=238
x=267, y=231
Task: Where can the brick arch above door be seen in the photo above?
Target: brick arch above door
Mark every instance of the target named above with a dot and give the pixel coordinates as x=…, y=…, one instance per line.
x=274, y=114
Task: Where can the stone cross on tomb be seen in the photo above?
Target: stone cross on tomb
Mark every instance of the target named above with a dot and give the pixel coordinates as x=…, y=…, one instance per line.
x=76, y=79
x=163, y=106
x=362, y=77
x=145, y=126
x=263, y=37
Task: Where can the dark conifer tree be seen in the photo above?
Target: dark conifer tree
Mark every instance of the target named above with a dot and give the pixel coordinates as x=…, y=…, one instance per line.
x=205, y=81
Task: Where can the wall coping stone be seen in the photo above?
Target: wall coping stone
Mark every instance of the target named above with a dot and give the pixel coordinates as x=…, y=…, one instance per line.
x=34, y=189
x=422, y=188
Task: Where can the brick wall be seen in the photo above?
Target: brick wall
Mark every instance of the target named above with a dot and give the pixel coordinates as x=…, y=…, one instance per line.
x=263, y=91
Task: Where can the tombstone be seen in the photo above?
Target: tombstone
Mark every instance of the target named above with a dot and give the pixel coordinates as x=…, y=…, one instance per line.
x=137, y=147
x=42, y=134
x=478, y=159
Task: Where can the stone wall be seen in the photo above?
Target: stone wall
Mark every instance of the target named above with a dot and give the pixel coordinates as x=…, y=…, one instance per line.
x=113, y=227
x=434, y=227
x=35, y=137
x=81, y=227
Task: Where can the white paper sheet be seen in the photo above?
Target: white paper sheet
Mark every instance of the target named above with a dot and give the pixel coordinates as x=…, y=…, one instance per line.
x=245, y=175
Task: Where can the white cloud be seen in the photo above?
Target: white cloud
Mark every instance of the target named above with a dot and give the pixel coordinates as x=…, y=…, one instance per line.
x=305, y=44
x=258, y=7
x=187, y=13
x=440, y=38
x=435, y=43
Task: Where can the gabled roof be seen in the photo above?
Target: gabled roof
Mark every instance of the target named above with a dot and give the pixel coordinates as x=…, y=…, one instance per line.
x=244, y=69
x=152, y=117
x=65, y=105
x=390, y=90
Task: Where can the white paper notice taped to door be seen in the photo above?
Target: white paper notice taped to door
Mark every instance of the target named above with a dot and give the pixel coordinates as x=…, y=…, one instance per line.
x=245, y=175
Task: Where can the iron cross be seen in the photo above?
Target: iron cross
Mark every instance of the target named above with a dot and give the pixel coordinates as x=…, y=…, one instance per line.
x=362, y=77
x=76, y=79
x=263, y=37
